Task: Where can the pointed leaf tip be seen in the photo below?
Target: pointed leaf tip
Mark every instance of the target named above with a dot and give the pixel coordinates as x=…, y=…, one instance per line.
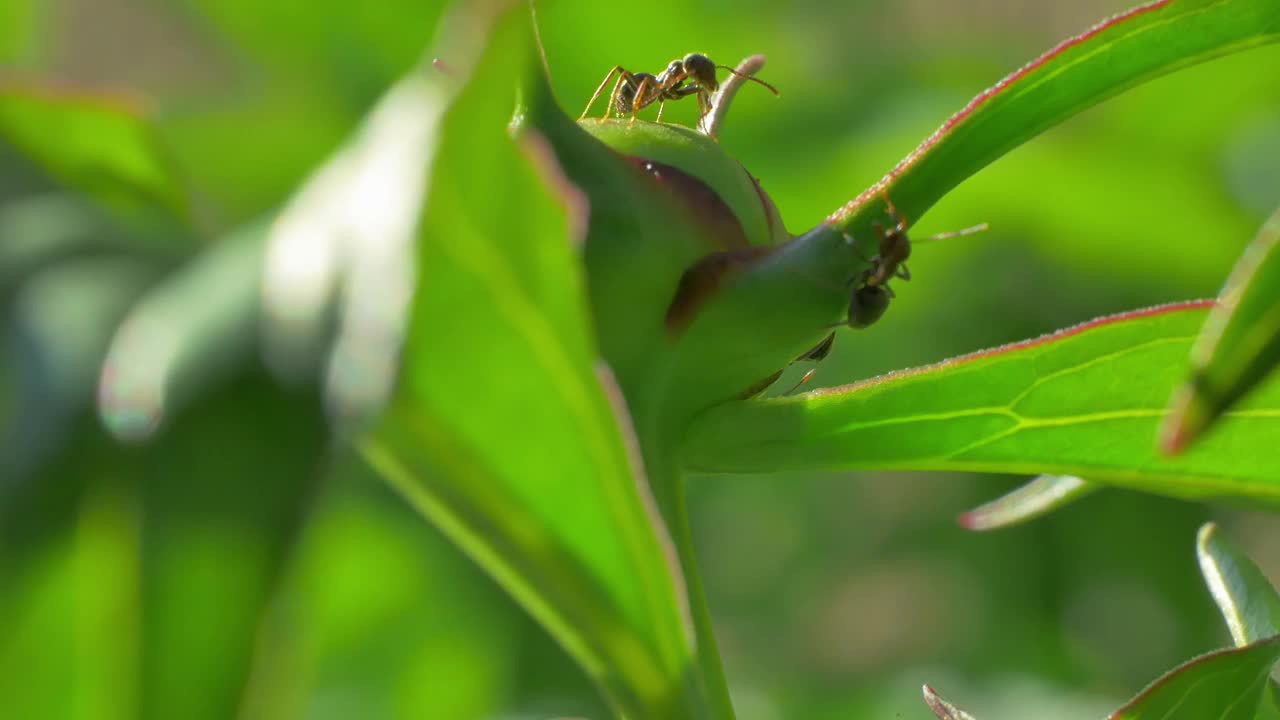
x=1038, y=497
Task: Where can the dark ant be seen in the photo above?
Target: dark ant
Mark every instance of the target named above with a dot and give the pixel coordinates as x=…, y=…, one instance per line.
x=871, y=293
x=694, y=74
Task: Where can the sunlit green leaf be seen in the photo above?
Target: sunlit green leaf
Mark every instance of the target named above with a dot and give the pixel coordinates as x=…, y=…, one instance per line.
x=100, y=145
x=1119, y=53
x=502, y=430
x=1239, y=345
x=1222, y=685
x=1084, y=401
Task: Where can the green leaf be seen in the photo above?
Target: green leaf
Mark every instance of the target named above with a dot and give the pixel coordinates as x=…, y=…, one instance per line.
x=1084, y=401
x=943, y=709
x=1238, y=346
x=215, y=526
x=1248, y=602
x=1038, y=497
x=503, y=429
x=69, y=573
x=1119, y=53
x=100, y=145
x=1223, y=685
x=1135, y=46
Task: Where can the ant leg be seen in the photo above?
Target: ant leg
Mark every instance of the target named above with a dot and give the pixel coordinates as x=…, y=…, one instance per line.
x=596, y=94
x=662, y=104
x=638, y=101
x=896, y=216
x=902, y=272
x=803, y=380
x=623, y=79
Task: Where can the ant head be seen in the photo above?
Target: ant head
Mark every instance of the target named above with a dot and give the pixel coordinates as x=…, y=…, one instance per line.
x=702, y=70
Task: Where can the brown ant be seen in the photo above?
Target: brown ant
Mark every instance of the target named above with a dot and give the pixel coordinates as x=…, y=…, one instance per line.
x=694, y=74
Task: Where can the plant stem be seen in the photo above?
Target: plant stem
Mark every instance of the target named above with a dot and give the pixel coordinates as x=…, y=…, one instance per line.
x=668, y=484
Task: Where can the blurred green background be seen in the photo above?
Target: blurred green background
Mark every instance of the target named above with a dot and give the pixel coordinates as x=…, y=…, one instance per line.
x=835, y=596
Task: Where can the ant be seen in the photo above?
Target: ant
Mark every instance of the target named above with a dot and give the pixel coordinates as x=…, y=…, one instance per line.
x=694, y=74
x=871, y=293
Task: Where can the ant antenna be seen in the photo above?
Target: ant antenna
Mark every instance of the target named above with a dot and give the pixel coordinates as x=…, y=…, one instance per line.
x=980, y=227
x=772, y=89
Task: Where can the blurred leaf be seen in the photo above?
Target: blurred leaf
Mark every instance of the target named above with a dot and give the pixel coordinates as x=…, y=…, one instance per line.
x=223, y=492
x=501, y=432
x=343, y=48
x=17, y=29
x=1226, y=684
x=196, y=327
x=1247, y=600
x=1238, y=346
x=1038, y=497
x=102, y=146
x=137, y=579
x=55, y=333
x=1083, y=401
x=68, y=274
x=943, y=709
x=302, y=75
x=223, y=483
x=69, y=615
x=1121, y=52
x=371, y=580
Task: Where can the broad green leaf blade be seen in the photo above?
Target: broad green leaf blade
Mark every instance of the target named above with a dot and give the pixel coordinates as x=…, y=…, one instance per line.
x=1248, y=602
x=100, y=145
x=501, y=429
x=1038, y=497
x=1121, y=52
x=943, y=709
x=1223, y=685
x=1084, y=401
x=1238, y=346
